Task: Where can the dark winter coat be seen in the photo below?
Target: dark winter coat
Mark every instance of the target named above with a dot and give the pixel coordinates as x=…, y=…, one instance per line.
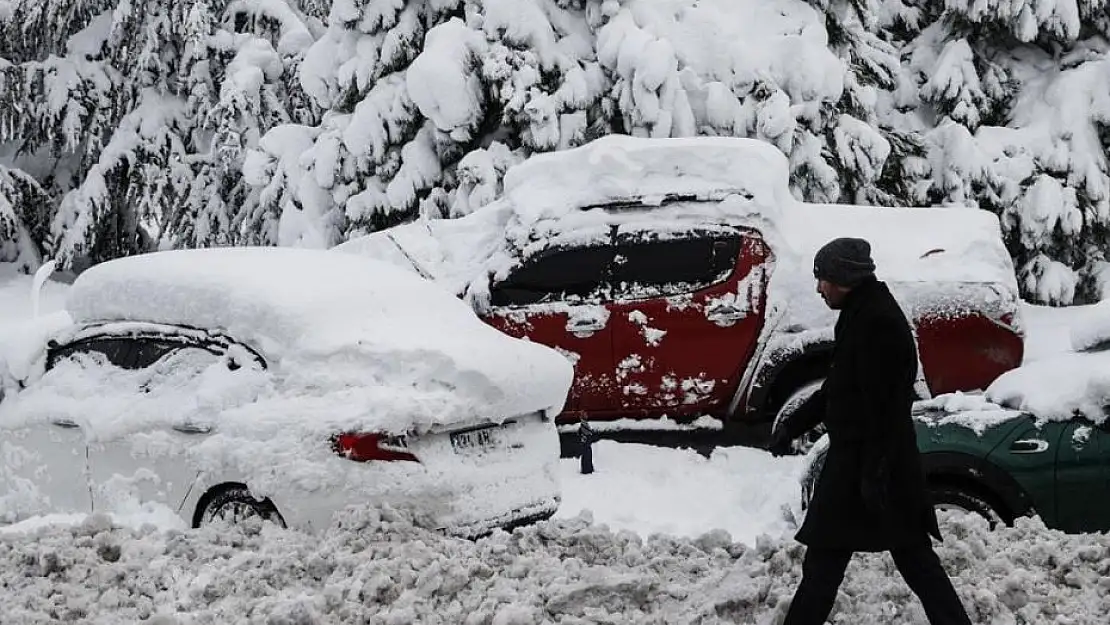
x=871, y=493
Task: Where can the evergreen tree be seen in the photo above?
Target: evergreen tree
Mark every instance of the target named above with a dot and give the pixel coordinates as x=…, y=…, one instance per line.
x=1016, y=98
x=144, y=112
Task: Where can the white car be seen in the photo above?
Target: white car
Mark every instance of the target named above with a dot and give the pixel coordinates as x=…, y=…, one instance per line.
x=283, y=383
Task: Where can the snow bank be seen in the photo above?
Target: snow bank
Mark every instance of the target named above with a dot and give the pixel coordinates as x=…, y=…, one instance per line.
x=379, y=568
x=651, y=490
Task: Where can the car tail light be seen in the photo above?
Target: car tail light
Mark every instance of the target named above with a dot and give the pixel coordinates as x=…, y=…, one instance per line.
x=363, y=447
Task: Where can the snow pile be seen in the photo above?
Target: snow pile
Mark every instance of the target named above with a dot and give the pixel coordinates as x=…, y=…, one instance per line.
x=650, y=490
x=1058, y=388
x=379, y=568
x=349, y=347
x=307, y=304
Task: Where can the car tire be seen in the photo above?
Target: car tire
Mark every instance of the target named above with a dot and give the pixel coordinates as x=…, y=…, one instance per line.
x=794, y=401
x=235, y=504
x=947, y=497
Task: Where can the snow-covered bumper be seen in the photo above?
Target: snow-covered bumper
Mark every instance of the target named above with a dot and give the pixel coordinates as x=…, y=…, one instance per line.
x=468, y=481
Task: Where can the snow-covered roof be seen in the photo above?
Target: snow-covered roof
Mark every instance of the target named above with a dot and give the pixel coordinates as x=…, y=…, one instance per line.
x=310, y=305
x=908, y=244
x=619, y=167
x=286, y=298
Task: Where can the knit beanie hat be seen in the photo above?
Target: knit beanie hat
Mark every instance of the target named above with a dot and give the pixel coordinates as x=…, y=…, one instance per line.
x=845, y=261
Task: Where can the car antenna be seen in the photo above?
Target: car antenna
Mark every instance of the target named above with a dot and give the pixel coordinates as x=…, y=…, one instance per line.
x=415, y=265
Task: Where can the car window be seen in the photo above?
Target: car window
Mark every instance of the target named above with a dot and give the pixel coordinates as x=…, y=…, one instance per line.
x=126, y=352
x=557, y=274
x=115, y=350
x=652, y=264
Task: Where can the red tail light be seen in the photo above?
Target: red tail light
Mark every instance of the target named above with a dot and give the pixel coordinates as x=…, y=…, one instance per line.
x=368, y=447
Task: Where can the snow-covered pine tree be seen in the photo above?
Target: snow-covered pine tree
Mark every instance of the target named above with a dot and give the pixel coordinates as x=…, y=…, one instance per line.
x=427, y=103
x=1017, y=99
x=23, y=205
x=133, y=117
x=875, y=156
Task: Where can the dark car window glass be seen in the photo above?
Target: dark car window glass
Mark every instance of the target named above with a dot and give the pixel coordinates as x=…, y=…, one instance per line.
x=649, y=266
x=115, y=350
x=146, y=352
x=124, y=352
x=556, y=275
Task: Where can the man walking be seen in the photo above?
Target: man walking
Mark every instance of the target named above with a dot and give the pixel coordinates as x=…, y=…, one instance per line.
x=871, y=493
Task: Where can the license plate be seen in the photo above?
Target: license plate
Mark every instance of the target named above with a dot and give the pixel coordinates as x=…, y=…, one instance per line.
x=476, y=440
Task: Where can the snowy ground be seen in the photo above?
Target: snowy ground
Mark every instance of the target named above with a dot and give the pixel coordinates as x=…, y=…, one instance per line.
x=655, y=536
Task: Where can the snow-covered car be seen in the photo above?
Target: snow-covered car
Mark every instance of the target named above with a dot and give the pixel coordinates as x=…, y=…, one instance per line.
x=677, y=275
x=283, y=383
x=1037, y=442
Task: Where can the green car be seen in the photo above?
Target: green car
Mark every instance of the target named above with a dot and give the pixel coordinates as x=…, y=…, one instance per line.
x=1036, y=443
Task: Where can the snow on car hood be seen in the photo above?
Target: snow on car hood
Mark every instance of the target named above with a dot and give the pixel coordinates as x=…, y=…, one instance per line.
x=332, y=328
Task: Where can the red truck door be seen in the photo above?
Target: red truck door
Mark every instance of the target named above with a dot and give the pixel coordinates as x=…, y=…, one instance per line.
x=558, y=298
x=686, y=315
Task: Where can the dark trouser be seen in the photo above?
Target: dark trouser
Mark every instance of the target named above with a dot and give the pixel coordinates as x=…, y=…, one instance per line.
x=587, y=458
x=823, y=571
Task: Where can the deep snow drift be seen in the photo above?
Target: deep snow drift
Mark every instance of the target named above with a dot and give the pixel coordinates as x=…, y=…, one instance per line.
x=568, y=571
x=376, y=568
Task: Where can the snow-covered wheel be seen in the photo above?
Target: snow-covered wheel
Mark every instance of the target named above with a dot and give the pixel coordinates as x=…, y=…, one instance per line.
x=947, y=497
x=793, y=403
x=235, y=504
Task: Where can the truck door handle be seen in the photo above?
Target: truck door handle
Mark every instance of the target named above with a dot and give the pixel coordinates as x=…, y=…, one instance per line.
x=62, y=422
x=1029, y=446
x=582, y=327
x=725, y=314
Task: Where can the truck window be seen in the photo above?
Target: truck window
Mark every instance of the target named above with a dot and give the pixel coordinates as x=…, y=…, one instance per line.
x=650, y=265
x=558, y=274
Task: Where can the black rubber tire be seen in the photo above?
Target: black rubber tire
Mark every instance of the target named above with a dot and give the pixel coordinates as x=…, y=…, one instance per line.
x=795, y=400
x=946, y=496
x=235, y=503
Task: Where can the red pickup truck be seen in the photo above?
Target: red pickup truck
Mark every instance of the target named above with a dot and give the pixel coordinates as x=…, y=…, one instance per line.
x=676, y=275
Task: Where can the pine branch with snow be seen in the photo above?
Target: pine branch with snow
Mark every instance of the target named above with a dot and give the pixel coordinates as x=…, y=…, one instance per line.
x=23, y=204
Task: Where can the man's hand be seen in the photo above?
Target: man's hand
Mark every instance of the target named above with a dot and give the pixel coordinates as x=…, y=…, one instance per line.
x=781, y=443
